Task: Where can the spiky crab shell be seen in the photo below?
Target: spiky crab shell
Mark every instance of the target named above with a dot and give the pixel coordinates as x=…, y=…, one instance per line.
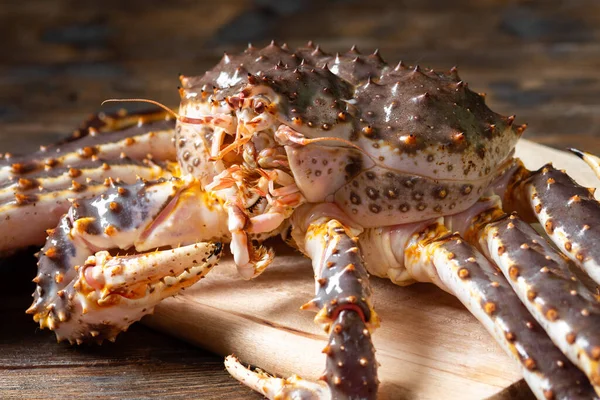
x=419, y=143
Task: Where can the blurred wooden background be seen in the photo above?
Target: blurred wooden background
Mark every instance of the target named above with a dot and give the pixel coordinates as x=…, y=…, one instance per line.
x=60, y=59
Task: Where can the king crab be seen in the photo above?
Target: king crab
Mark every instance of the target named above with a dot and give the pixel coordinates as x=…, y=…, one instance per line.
x=399, y=172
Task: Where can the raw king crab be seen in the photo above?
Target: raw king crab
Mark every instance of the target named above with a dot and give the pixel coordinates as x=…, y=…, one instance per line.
x=394, y=171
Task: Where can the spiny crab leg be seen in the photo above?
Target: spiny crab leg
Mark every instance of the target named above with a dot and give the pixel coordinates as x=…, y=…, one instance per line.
x=341, y=279
x=61, y=178
x=85, y=293
x=545, y=283
x=273, y=387
x=568, y=212
x=151, y=137
x=344, y=310
x=38, y=187
x=351, y=370
x=476, y=283
x=44, y=199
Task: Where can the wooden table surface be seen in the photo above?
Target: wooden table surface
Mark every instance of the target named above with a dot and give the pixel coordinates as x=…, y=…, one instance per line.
x=60, y=59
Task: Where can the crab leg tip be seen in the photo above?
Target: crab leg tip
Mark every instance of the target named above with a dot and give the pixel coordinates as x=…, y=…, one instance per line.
x=273, y=387
x=577, y=152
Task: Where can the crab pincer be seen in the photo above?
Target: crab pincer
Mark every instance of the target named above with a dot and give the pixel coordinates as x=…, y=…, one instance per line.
x=85, y=293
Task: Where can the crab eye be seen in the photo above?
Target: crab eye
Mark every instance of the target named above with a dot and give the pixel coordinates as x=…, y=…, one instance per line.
x=260, y=103
x=259, y=107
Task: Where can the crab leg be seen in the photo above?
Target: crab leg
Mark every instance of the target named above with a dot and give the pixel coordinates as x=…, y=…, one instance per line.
x=351, y=369
x=45, y=198
x=429, y=252
x=590, y=159
x=137, y=142
x=545, y=283
x=341, y=279
x=85, y=293
x=61, y=178
x=344, y=310
x=40, y=185
x=489, y=297
x=276, y=388
x=568, y=212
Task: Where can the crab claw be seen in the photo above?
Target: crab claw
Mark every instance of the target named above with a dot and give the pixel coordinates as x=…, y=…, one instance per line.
x=152, y=275
x=111, y=293
x=86, y=294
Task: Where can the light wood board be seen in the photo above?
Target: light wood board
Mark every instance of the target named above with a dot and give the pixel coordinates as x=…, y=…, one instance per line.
x=429, y=346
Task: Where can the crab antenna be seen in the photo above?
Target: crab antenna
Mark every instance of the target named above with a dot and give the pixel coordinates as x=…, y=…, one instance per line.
x=156, y=103
x=182, y=118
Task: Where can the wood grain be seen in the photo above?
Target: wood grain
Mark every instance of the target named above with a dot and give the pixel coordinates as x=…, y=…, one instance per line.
x=61, y=58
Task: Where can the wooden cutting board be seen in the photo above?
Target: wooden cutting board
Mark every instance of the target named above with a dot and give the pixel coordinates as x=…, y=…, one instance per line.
x=429, y=345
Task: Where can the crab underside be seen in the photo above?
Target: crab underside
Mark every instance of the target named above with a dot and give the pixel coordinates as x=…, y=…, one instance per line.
x=398, y=172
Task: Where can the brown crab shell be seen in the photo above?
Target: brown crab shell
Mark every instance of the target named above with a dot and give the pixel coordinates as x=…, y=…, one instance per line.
x=409, y=124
